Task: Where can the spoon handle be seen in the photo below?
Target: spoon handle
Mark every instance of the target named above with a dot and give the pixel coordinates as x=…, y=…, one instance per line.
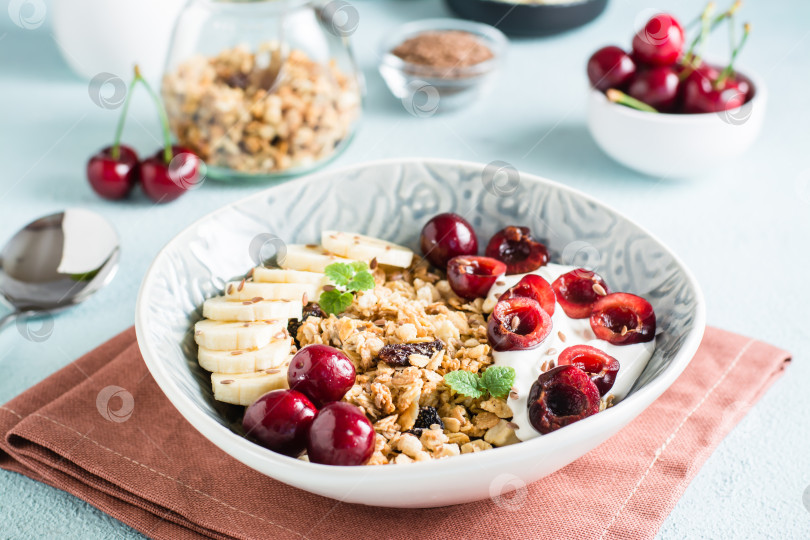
x=9, y=318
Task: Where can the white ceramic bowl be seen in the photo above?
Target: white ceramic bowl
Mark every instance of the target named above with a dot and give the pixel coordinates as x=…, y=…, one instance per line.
x=392, y=200
x=675, y=145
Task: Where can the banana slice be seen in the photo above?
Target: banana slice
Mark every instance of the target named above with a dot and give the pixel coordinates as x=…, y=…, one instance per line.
x=221, y=309
x=270, y=356
x=365, y=248
x=230, y=336
x=309, y=258
x=251, y=290
x=283, y=275
x=245, y=388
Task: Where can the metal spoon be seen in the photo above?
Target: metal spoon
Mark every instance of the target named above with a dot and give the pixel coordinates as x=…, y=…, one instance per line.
x=57, y=261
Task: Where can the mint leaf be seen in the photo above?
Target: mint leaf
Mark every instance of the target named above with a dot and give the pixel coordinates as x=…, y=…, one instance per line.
x=464, y=382
x=339, y=273
x=359, y=266
x=362, y=281
x=498, y=380
x=335, y=302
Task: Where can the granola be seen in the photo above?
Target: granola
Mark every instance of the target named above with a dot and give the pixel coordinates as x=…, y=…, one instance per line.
x=415, y=307
x=220, y=108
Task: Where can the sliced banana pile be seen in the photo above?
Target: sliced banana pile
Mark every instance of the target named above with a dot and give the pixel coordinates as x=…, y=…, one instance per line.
x=243, y=339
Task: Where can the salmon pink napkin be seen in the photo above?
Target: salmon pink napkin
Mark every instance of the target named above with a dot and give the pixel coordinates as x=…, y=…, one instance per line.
x=102, y=430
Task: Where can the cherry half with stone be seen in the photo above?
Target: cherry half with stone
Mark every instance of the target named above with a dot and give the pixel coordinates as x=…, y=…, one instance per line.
x=516, y=247
x=623, y=319
x=599, y=365
x=472, y=277
x=560, y=397
x=578, y=290
x=517, y=323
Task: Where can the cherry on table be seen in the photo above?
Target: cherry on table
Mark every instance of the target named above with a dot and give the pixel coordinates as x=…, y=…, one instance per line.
x=623, y=319
x=610, y=67
x=340, y=435
x=322, y=373
x=560, y=397
x=110, y=177
x=517, y=323
x=660, y=42
x=472, y=277
x=446, y=236
x=280, y=421
x=165, y=182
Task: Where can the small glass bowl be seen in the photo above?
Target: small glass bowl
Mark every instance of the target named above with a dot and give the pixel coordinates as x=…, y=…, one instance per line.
x=425, y=90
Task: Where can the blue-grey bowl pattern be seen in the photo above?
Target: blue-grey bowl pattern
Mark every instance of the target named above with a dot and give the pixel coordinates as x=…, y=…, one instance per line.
x=393, y=200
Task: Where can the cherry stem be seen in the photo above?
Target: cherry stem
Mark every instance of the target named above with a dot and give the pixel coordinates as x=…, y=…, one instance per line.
x=617, y=96
x=115, y=153
x=164, y=118
x=729, y=69
x=689, y=58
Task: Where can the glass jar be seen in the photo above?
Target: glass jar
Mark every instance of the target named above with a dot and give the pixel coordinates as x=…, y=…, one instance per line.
x=263, y=88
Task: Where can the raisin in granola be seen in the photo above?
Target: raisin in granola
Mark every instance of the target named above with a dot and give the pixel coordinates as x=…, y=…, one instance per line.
x=312, y=309
x=397, y=355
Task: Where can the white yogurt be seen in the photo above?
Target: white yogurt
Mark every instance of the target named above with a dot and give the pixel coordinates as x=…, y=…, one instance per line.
x=632, y=358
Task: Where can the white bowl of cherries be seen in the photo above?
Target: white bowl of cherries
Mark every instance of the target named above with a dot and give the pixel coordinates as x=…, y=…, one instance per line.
x=663, y=110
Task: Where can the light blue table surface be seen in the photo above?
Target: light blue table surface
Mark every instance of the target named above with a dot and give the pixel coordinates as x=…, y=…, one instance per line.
x=743, y=229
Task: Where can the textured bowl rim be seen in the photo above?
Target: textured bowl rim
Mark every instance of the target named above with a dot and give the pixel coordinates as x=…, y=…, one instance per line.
x=246, y=451
x=759, y=100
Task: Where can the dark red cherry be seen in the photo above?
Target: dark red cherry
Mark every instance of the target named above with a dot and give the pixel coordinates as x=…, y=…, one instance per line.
x=280, y=420
x=534, y=287
x=657, y=87
x=516, y=247
x=561, y=396
x=340, y=435
x=113, y=178
x=702, y=94
x=322, y=373
x=517, y=324
x=164, y=182
x=660, y=42
x=578, y=290
x=447, y=236
x=601, y=367
x=472, y=277
x=623, y=319
x=610, y=67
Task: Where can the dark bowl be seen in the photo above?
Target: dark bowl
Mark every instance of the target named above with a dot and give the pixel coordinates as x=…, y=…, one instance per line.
x=529, y=19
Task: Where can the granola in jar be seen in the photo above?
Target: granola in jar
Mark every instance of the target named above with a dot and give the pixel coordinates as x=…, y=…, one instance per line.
x=220, y=108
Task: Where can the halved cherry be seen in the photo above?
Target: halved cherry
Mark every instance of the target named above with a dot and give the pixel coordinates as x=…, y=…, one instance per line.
x=473, y=276
x=517, y=324
x=516, y=247
x=535, y=287
x=623, y=319
x=578, y=290
x=561, y=396
x=601, y=367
